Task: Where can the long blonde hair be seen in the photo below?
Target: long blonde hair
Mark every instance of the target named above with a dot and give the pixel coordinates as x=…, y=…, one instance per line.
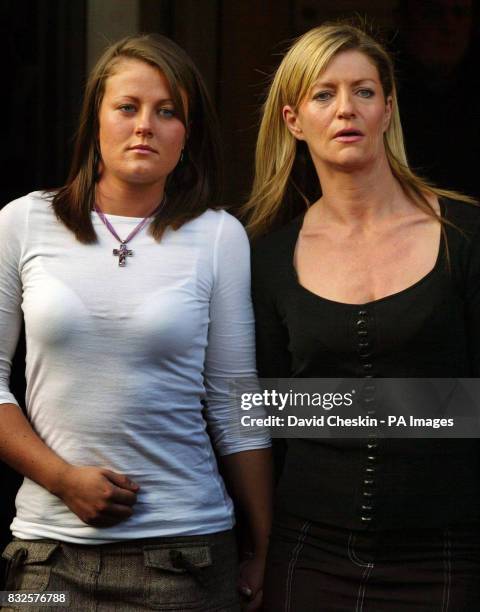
x=285, y=178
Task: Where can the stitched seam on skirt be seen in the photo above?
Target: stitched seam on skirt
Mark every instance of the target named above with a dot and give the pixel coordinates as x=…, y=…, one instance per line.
x=363, y=587
x=447, y=565
x=12, y=570
x=293, y=561
x=352, y=555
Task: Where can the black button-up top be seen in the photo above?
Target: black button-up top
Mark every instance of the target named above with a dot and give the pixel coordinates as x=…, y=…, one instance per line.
x=429, y=330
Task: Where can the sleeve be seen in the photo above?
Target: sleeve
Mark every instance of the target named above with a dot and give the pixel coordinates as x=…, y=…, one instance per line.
x=472, y=302
x=10, y=296
x=273, y=355
x=230, y=354
x=272, y=338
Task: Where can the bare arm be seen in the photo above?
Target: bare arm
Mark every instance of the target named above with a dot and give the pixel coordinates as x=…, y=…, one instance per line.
x=249, y=476
x=96, y=495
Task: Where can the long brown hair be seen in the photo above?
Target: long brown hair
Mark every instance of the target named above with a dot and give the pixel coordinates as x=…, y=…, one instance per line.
x=195, y=183
x=285, y=179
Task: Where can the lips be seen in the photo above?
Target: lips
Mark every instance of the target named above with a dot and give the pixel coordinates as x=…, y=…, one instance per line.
x=348, y=132
x=142, y=147
x=348, y=136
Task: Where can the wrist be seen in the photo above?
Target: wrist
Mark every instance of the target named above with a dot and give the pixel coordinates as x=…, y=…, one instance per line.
x=56, y=482
x=260, y=547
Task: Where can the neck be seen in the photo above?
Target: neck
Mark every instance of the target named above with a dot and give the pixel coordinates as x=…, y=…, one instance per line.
x=359, y=197
x=128, y=200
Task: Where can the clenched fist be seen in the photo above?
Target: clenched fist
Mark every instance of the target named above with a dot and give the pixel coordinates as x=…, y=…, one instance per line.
x=98, y=496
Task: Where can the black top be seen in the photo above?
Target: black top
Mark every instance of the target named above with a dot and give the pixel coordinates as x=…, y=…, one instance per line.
x=429, y=330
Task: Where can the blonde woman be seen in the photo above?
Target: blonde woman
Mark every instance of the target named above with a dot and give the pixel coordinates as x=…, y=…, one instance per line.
x=135, y=290
x=362, y=269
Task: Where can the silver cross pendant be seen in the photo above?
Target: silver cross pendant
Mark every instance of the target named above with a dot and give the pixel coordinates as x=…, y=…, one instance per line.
x=122, y=253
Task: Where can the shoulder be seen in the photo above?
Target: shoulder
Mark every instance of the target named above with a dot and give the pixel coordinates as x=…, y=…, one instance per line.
x=464, y=216
x=221, y=240
x=26, y=202
x=16, y=221
x=277, y=246
x=220, y=220
x=463, y=236
x=18, y=211
x=220, y=228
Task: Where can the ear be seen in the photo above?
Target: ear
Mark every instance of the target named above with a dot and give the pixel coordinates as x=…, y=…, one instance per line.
x=388, y=113
x=290, y=116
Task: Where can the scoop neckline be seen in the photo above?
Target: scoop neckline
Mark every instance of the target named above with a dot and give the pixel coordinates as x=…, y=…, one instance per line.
x=372, y=303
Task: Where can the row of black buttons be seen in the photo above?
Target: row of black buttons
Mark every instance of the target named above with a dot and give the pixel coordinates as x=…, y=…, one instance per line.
x=364, y=342
x=364, y=347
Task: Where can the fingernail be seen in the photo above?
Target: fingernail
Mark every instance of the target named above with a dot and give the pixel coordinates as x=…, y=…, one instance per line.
x=245, y=590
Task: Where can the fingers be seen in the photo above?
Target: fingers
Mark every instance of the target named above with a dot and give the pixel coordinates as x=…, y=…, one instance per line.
x=122, y=496
x=106, y=520
x=117, y=511
x=250, y=583
x=109, y=515
x=245, y=590
x=121, y=480
x=251, y=603
x=98, y=496
x=124, y=491
x=256, y=603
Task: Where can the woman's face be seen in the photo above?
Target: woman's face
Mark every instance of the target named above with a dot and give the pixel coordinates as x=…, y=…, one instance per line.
x=140, y=135
x=343, y=117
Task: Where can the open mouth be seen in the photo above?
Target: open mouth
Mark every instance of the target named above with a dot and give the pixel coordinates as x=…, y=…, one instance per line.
x=348, y=133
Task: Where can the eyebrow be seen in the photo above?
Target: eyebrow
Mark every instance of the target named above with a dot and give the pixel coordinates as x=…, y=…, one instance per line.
x=135, y=99
x=331, y=84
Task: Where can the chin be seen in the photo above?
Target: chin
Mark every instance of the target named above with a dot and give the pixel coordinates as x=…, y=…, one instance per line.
x=144, y=176
x=351, y=165
x=146, y=180
x=353, y=161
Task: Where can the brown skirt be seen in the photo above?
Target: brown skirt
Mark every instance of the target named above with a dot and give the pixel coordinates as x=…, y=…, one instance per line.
x=194, y=573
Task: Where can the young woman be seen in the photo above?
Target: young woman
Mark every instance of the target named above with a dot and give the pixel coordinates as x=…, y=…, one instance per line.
x=379, y=276
x=135, y=291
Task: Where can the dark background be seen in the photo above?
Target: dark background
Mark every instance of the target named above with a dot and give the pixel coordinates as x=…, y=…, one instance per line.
x=48, y=46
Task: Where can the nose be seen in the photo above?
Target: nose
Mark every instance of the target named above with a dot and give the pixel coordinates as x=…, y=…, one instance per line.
x=144, y=125
x=345, y=105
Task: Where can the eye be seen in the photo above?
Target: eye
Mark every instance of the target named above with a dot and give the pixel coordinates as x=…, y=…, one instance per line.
x=323, y=96
x=127, y=108
x=166, y=112
x=365, y=92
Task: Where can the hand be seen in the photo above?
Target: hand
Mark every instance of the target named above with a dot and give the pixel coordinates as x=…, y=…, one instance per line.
x=250, y=582
x=99, y=497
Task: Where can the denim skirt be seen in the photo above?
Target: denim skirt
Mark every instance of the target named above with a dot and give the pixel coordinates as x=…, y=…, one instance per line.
x=313, y=567
x=188, y=574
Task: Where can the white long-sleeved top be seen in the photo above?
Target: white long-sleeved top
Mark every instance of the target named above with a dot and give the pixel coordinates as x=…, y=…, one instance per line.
x=120, y=361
